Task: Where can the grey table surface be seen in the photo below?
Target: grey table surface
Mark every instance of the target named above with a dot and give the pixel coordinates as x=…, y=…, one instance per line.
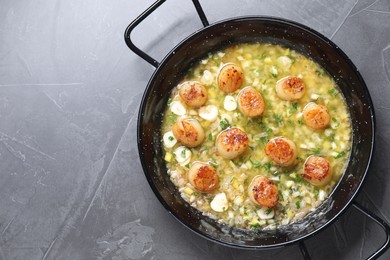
x=72, y=186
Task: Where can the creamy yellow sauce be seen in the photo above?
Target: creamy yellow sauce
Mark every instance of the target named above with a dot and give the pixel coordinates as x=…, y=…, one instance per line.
x=263, y=66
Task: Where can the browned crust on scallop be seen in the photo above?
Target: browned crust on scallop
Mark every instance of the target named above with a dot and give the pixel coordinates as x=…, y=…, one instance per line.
x=236, y=138
x=206, y=179
x=316, y=116
x=186, y=133
x=251, y=102
x=230, y=78
x=265, y=192
x=293, y=85
x=316, y=167
x=193, y=93
x=279, y=150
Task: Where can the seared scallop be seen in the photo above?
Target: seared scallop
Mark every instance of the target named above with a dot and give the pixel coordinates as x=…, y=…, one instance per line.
x=316, y=116
x=250, y=102
x=281, y=150
x=317, y=170
x=290, y=88
x=230, y=77
x=188, y=131
x=203, y=177
x=263, y=192
x=193, y=93
x=231, y=143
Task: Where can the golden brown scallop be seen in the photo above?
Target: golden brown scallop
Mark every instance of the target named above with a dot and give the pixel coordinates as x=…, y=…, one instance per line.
x=281, y=150
x=231, y=143
x=203, y=177
x=316, y=116
x=317, y=170
x=188, y=131
x=290, y=88
x=230, y=77
x=193, y=93
x=263, y=192
x=250, y=102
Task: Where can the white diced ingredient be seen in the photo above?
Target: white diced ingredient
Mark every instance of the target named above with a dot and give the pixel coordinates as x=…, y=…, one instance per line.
x=178, y=108
x=204, y=61
x=274, y=70
x=299, y=115
x=289, y=184
x=238, y=200
x=314, y=96
x=230, y=103
x=285, y=62
x=221, y=54
x=208, y=113
x=321, y=195
x=219, y=203
x=265, y=213
x=207, y=77
x=226, y=117
x=169, y=139
x=183, y=155
x=328, y=132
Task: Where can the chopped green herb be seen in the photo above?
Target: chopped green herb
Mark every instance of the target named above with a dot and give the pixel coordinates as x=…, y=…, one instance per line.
x=261, y=124
x=172, y=118
x=294, y=108
x=316, y=192
x=299, y=159
x=281, y=195
x=267, y=166
x=278, y=119
x=210, y=55
x=290, y=122
x=340, y=154
x=332, y=92
x=331, y=137
x=213, y=163
x=210, y=137
x=255, y=226
x=298, y=204
x=334, y=119
x=295, y=188
x=170, y=138
x=183, y=153
x=269, y=131
x=256, y=165
x=315, y=151
x=224, y=124
x=273, y=75
x=300, y=122
x=169, y=101
x=298, y=178
x=187, y=166
x=268, y=211
x=196, y=193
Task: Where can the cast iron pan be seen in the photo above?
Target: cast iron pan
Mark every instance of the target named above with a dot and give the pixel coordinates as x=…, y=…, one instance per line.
x=244, y=30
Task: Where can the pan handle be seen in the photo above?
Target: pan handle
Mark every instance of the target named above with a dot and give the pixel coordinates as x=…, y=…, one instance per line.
x=142, y=17
x=373, y=217
x=382, y=224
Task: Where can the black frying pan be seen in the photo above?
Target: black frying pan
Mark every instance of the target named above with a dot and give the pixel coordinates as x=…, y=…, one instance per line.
x=267, y=30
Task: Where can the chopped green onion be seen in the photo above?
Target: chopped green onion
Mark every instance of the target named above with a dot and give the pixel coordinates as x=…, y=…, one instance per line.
x=340, y=154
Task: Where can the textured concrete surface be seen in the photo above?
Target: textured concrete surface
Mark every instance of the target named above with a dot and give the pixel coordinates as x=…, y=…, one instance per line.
x=71, y=183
